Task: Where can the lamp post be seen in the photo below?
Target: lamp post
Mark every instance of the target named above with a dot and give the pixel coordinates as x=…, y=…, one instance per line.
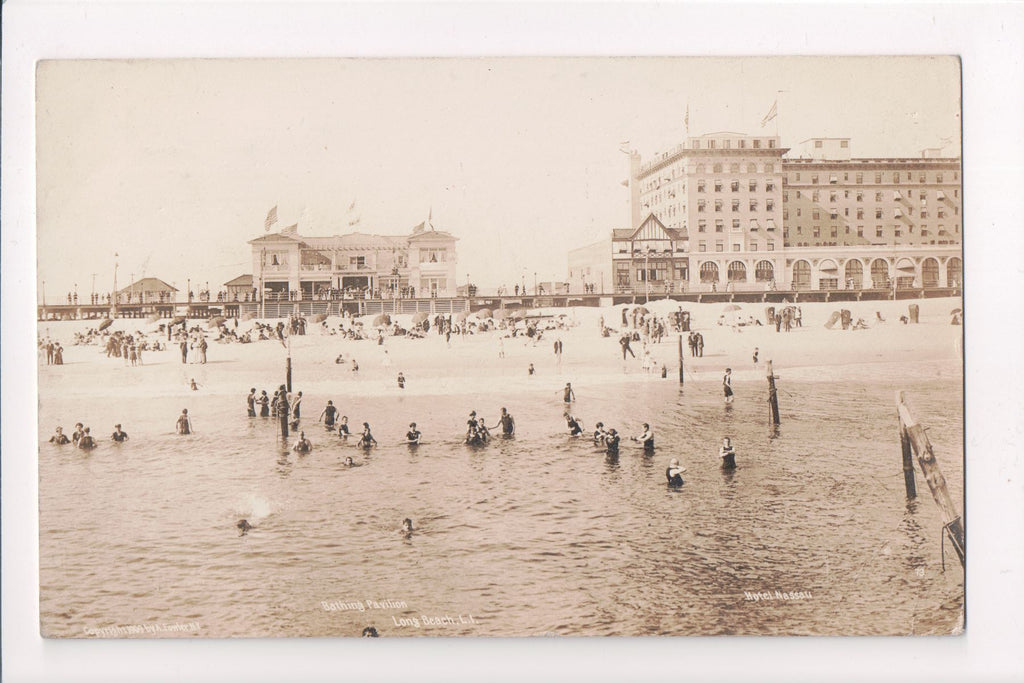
x=113, y=295
x=536, y=290
x=44, y=292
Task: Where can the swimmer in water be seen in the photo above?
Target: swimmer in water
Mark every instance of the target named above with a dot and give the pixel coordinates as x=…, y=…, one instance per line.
x=483, y=431
x=412, y=437
x=727, y=454
x=367, y=440
x=407, y=525
x=118, y=434
x=343, y=427
x=674, y=473
x=76, y=435
x=86, y=442
x=184, y=424
x=58, y=437
x=646, y=439
x=303, y=445
x=244, y=527
x=328, y=415
x=507, y=422
x=727, y=385
x=195, y=387
x=599, y=433
x=349, y=462
x=611, y=442
x=575, y=429
x=568, y=395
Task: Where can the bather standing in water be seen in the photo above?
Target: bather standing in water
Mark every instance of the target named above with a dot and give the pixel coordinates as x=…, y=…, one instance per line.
x=184, y=423
x=611, y=442
x=367, y=440
x=58, y=437
x=646, y=439
x=412, y=437
x=328, y=415
x=727, y=454
x=303, y=445
x=674, y=473
x=343, y=430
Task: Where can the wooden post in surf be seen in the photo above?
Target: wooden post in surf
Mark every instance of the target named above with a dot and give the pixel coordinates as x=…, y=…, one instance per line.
x=773, y=397
x=283, y=409
x=680, y=358
x=953, y=526
x=907, y=451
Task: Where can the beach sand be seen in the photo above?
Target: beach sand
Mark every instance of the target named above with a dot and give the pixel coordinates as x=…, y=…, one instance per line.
x=471, y=364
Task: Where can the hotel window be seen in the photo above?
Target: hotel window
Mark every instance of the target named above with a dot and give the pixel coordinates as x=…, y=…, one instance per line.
x=956, y=176
x=878, y=231
x=846, y=194
x=753, y=205
x=878, y=213
x=771, y=144
x=757, y=144
x=752, y=187
x=785, y=214
x=799, y=230
x=701, y=206
x=742, y=144
x=785, y=196
x=846, y=211
x=860, y=231
x=771, y=246
x=847, y=231
x=846, y=177
x=860, y=213
x=798, y=211
x=719, y=246
x=717, y=168
x=769, y=205
x=956, y=210
x=751, y=168
x=736, y=224
x=769, y=168
x=735, y=205
x=769, y=186
x=878, y=196
x=878, y=177
x=727, y=144
x=816, y=231
x=711, y=144
x=833, y=231
x=735, y=247
x=735, y=186
x=832, y=196
x=941, y=213
x=703, y=246
x=701, y=186
x=833, y=214
x=860, y=178
x=938, y=178
x=796, y=176
x=921, y=178
x=860, y=196
x=897, y=232
x=924, y=213
x=815, y=196
x=753, y=246
x=799, y=194
x=719, y=226
x=896, y=178
x=718, y=206
x=734, y=168
x=956, y=193
x=814, y=179
x=956, y=228
x=815, y=214
x=844, y=143
x=924, y=232
x=718, y=186
x=817, y=144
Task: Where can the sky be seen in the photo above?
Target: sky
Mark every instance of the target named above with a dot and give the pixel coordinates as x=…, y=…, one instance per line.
x=172, y=165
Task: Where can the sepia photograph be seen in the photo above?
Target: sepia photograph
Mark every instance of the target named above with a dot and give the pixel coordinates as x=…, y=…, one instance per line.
x=500, y=347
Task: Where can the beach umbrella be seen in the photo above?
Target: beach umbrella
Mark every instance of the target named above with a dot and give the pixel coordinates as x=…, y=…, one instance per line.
x=501, y=314
x=178, y=320
x=419, y=317
x=249, y=316
x=382, y=319
x=485, y=313
x=216, y=322
x=731, y=307
x=461, y=316
x=153, y=318
x=642, y=310
x=105, y=324
x=320, y=317
x=955, y=311
x=517, y=314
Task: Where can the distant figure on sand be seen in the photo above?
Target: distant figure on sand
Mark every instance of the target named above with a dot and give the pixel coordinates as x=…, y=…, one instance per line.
x=507, y=422
x=193, y=385
x=727, y=454
x=530, y=369
x=328, y=415
x=184, y=424
x=58, y=437
x=401, y=381
x=674, y=473
x=646, y=439
x=412, y=437
x=118, y=434
x=755, y=355
x=624, y=343
x=727, y=385
x=303, y=445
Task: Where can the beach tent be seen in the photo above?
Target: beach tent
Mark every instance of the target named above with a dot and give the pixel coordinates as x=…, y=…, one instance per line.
x=382, y=319
x=178, y=320
x=832, y=320
x=731, y=307
x=642, y=310
x=216, y=322
x=485, y=313
x=105, y=324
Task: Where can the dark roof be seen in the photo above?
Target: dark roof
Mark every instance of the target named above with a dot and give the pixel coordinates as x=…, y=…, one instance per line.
x=626, y=234
x=421, y=232
x=240, y=281
x=275, y=237
x=148, y=284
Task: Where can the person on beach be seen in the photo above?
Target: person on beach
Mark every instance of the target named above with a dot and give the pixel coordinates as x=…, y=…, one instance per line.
x=599, y=433
x=507, y=422
x=76, y=435
x=575, y=428
x=700, y=345
x=611, y=442
x=624, y=343
x=646, y=439
x=727, y=385
x=568, y=395
x=343, y=430
x=184, y=423
x=303, y=445
x=119, y=435
x=727, y=454
x=184, y=350
x=58, y=354
x=355, y=365
x=401, y=381
x=49, y=353
x=58, y=437
x=193, y=385
x=328, y=415
x=367, y=440
x=86, y=443
x=501, y=347
x=530, y=370
x=674, y=473
x=755, y=355
x=412, y=437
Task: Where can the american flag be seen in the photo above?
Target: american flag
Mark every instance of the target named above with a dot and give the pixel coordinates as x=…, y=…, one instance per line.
x=772, y=113
x=271, y=219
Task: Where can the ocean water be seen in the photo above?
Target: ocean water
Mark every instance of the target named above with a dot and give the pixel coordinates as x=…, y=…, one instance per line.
x=539, y=534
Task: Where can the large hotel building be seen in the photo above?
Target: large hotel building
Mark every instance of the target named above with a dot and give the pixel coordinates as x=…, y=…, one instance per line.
x=732, y=212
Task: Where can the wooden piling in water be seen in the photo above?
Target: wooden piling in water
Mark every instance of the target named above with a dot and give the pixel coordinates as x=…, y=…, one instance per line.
x=909, y=481
x=680, y=358
x=922, y=447
x=773, y=397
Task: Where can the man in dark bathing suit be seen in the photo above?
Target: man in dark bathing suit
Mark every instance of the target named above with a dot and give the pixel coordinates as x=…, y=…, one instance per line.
x=507, y=422
x=674, y=473
x=412, y=437
x=118, y=434
x=250, y=402
x=58, y=438
x=328, y=415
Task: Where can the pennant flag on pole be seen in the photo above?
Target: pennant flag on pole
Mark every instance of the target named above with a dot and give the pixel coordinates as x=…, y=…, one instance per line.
x=772, y=113
x=271, y=219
